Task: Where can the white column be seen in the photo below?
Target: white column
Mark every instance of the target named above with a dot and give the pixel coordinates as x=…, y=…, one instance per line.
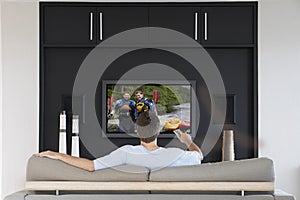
x=279, y=82
x=1, y=78
x=20, y=79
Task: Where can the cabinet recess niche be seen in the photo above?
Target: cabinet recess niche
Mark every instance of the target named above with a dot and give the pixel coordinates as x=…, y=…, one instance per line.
x=228, y=31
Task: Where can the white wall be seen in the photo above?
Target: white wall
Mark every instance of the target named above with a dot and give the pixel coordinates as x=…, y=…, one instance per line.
x=20, y=91
x=0, y=102
x=279, y=70
x=279, y=63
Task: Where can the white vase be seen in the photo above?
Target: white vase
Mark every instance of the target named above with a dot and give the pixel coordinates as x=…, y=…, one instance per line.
x=75, y=136
x=228, y=146
x=62, y=133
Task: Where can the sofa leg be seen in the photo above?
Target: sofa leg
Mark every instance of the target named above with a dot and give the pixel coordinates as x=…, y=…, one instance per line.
x=243, y=193
x=56, y=192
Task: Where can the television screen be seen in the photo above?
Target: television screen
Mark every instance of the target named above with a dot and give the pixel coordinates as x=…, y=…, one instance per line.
x=172, y=101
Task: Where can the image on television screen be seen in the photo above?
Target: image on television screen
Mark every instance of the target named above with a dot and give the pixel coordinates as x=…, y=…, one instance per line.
x=170, y=101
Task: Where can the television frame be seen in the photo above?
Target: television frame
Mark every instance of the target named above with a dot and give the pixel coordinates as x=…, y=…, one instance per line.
x=193, y=97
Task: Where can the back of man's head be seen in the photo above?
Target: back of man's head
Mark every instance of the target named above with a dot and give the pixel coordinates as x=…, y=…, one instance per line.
x=148, y=126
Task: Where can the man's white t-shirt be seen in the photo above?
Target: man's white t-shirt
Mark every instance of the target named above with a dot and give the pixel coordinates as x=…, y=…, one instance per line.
x=138, y=155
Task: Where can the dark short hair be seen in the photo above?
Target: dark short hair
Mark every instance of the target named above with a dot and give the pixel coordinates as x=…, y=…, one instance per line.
x=148, y=126
x=139, y=90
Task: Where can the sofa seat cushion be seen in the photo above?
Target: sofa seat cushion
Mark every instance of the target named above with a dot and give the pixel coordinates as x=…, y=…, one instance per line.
x=256, y=170
x=46, y=169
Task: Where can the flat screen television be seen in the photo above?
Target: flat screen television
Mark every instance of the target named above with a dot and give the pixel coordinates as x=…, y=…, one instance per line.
x=173, y=101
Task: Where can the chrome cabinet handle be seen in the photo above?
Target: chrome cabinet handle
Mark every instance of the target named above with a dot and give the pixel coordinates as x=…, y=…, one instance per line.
x=91, y=26
x=101, y=26
x=205, y=26
x=196, y=26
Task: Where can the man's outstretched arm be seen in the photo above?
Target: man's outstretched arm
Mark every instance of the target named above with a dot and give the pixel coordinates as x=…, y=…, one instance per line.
x=71, y=160
x=187, y=140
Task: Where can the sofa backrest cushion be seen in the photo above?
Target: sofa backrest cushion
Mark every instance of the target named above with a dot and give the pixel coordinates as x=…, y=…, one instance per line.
x=46, y=169
x=256, y=170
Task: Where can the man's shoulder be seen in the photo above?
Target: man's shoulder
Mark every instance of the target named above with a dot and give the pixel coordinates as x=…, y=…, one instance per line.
x=119, y=101
x=129, y=148
x=185, y=157
x=172, y=150
x=180, y=151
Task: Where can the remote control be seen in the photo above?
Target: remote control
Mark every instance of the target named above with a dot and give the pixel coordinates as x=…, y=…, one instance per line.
x=177, y=133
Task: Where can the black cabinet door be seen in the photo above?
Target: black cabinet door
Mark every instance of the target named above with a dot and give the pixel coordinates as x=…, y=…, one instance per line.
x=182, y=19
x=89, y=25
x=236, y=68
x=113, y=20
x=58, y=74
x=227, y=25
x=68, y=25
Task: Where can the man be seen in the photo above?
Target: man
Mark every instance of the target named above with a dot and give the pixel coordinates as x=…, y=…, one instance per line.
x=143, y=104
x=147, y=154
x=122, y=106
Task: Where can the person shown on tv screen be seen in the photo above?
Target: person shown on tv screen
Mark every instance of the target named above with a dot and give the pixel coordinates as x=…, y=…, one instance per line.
x=147, y=154
x=143, y=104
x=122, y=107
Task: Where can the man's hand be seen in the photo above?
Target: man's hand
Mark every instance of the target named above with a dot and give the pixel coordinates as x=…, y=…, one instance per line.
x=185, y=138
x=49, y=154
x=71, y=160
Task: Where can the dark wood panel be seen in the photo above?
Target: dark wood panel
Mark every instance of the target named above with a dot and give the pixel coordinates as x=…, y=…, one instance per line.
x=68, y=25
x=228, y=25
x=236, y=67
x=119, y=19
x=59, y=71
x=71, y=25
x=180, y=19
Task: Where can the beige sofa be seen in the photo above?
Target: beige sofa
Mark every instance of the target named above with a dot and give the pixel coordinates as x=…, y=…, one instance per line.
x=244, y=179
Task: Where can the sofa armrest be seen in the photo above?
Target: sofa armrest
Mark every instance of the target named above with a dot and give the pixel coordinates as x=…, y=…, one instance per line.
x=281, y=195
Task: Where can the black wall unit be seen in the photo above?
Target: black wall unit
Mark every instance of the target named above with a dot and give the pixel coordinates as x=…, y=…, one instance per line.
x=228, y=31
